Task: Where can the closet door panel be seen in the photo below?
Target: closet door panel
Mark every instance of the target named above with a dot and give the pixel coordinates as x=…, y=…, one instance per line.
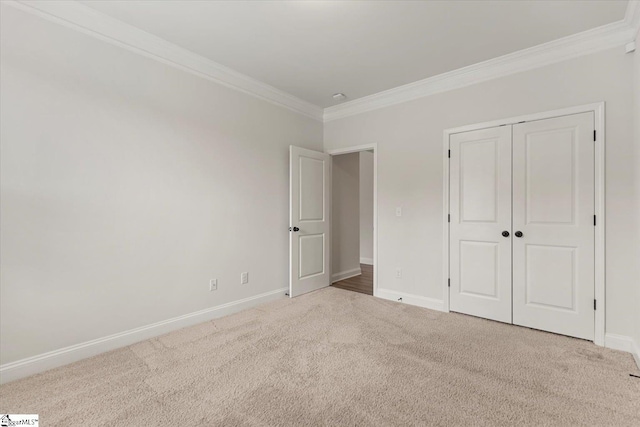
x=480, y=207
x=553, y=207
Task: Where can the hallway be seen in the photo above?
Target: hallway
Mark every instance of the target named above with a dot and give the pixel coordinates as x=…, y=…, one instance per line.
x=362, y=283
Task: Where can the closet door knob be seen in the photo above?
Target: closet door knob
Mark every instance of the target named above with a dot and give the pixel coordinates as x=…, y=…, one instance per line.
x=505, y=233
x=518, y=233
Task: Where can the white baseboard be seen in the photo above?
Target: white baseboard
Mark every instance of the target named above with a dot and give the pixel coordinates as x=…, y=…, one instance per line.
x=53, y=359
x=420, y=301
x=613, y=341
x=336, y=277
x=623, y=343
x=367, y=261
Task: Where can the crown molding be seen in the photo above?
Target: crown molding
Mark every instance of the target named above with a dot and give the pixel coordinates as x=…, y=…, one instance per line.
x=590, y=41
x=94, y=23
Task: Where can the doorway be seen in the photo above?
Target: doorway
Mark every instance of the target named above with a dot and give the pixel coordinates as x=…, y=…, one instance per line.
x=311, y=230
x=353, y=220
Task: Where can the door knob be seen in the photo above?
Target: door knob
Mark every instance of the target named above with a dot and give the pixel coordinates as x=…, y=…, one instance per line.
x=294, y=229
x=505, y=233
x=518, y=233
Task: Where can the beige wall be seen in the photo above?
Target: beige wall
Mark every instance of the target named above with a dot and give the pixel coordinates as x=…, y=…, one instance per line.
x=345, y=215
x=128, y=184
x=366, y=206
x=410, y=163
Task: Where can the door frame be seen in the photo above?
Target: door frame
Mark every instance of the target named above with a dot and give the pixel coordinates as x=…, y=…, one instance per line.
x=357, y=149
x=599, y=164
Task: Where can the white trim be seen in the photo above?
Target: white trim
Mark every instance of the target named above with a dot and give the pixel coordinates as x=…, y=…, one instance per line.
x=374, y=148
x=445, y=222
x=53, y=359
x=354, y=149
x=587, y=42
x=600, y=261
x=336, y=277
x=89, y=21
x=366, y=261
x=597, y=108
x=623, y=343
x=420, y=301
x=599, y=114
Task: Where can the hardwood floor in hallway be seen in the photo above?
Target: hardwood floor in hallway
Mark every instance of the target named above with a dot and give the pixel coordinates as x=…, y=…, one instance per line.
x=362, y=283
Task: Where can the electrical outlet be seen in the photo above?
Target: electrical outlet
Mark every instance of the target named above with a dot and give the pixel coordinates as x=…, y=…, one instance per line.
x=398, y=273
x=244, y=278
x=213, y=285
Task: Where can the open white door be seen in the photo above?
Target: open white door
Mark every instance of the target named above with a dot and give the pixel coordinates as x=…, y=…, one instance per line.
x=309, y=225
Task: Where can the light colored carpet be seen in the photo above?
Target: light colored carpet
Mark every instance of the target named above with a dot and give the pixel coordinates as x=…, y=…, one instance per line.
x=335, y=357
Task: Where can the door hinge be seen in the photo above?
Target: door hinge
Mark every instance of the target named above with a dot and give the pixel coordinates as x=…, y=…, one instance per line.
x=594, y=304
x=594, y=220
x=448, y=217
x=449, y=154
x=594, y=135
x=449, y=282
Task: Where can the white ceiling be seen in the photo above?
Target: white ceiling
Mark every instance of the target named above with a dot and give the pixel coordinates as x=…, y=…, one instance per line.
x=313, y=49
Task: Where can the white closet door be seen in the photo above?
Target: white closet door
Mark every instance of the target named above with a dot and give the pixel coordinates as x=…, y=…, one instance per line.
x=553, y=208
x=480, y=206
